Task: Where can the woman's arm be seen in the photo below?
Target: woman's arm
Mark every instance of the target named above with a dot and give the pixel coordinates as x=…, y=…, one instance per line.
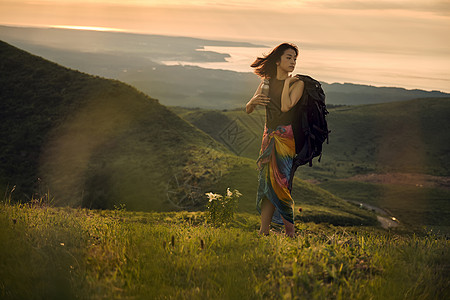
x=291, y=95
x=257, y=99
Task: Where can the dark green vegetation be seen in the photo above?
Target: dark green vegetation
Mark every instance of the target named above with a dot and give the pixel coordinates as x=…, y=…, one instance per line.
x=409, y=137
x=414, y=205
x=404, y=143
x=87, y=254
x=92, y=141
x=138, y=59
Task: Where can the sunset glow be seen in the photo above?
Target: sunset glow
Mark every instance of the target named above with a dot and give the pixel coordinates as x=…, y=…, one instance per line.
x=87, y=28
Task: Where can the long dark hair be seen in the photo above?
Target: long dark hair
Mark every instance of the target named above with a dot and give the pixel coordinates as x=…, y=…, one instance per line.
x=266, y=66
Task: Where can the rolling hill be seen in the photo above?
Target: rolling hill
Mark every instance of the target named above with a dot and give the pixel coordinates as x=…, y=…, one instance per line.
x=404, y=136
x=86, y=141
x=57, y=125
x=391, y=155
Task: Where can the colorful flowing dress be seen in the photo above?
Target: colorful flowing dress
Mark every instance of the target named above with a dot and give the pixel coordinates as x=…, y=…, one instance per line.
x=276, y=157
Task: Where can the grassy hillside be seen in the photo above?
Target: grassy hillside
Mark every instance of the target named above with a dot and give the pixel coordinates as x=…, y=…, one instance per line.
x=406, y=136
x=413, y=205
x=80, y=140
x=399, y=140
x=407, y=140
x=89, y=140
x=89, y=254
x=239, y=131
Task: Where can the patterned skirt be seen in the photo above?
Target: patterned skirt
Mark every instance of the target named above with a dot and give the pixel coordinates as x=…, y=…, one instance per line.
x=275, y=164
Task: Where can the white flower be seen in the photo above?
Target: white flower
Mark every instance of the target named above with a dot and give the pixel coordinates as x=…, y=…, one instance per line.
x=213, y=196
x=229, y=193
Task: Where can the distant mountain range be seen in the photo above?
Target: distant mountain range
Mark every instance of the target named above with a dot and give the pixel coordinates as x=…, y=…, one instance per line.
x=137, y=60
x=354, y=94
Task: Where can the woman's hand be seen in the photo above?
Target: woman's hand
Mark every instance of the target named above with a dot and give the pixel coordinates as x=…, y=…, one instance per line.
x=258, y=99
x=291, y=79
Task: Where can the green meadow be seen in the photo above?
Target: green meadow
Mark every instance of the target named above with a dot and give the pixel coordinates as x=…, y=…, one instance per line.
x=65, y=253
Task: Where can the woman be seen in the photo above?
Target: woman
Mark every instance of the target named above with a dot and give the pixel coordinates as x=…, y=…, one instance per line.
x=274, y=201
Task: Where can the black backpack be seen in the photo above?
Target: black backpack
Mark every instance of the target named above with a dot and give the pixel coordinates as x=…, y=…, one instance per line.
x=310, y=125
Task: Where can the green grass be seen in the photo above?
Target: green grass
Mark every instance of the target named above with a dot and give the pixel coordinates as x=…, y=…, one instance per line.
x=55, y=253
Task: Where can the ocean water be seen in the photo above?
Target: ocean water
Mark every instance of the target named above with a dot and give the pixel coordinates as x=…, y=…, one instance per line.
x=428, y=71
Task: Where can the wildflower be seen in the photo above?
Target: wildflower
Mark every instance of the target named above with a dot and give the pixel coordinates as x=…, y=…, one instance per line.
x=210, y=196
x=221, y=211
x=213, y=196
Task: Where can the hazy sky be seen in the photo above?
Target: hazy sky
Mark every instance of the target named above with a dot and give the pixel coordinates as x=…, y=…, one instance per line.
x=403, y=43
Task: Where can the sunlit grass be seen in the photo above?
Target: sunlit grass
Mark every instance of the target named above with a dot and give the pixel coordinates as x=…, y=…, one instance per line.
x=79, y=253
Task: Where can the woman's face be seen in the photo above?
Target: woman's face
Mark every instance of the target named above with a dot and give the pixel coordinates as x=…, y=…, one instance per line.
x=288, y=60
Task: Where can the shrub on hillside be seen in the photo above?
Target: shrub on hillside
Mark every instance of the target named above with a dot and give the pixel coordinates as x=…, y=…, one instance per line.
x=221, y=209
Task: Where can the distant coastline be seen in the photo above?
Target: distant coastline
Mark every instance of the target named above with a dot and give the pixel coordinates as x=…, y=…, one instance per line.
x=198, y=68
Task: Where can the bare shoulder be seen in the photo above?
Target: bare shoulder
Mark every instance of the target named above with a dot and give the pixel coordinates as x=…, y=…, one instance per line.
x=298, y=84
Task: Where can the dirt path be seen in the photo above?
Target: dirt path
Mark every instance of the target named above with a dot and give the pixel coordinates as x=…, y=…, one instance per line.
x=387, y=223
x=383, y=216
